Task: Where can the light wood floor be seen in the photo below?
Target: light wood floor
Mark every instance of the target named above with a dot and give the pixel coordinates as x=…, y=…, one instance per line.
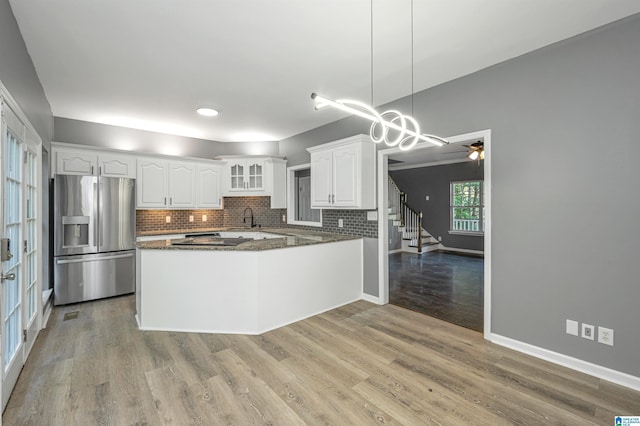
x=360, y=364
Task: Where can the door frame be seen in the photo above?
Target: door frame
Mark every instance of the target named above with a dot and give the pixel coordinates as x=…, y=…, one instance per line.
x=383, y=220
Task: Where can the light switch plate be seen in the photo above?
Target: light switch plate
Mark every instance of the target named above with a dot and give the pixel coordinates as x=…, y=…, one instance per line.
x=572, y=327
x=340, y=223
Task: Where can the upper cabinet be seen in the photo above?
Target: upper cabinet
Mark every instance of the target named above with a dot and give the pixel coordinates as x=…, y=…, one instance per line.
x=152, y=186
x=343, y=174
x=208, y=193
x=246, y=175
x=255, y=176
x=89, y=162
x=167, y=184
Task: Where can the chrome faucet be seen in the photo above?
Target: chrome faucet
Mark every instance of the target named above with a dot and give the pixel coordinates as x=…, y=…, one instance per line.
x=244, y=219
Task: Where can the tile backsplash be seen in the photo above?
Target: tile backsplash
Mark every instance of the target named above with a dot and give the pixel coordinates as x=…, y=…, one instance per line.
x=155, y=220
x=231, y=215
x=354, y=222
x=235, y=210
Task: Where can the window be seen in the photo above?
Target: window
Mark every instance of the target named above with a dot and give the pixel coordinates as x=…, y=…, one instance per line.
x=467, y=207
x=299, y=211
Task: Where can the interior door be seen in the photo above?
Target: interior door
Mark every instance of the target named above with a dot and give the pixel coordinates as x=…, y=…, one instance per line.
x=12, y=289
x=31, y=247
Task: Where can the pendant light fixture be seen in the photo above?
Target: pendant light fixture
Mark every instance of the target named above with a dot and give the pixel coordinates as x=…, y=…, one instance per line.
x=406, y=127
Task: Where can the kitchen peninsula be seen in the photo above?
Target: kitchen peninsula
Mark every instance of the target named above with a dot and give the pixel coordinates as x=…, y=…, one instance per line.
x=246, y=288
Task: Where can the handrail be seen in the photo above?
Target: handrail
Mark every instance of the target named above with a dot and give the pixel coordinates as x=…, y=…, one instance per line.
x=410, y=219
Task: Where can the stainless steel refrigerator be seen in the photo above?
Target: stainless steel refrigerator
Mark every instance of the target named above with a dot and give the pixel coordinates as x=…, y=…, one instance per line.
x=94, y=238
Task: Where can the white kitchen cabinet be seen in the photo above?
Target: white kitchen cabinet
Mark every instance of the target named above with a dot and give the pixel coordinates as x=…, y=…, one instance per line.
x=246, y=175
x=208, y=193
x=255, y=176
x=164, y=184
x=152, y=187
x=90, y=162
x=343, y=174
x=114, y=165
x=182, y=185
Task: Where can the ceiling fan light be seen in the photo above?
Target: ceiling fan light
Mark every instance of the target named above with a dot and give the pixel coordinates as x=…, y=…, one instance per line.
x=473, y=155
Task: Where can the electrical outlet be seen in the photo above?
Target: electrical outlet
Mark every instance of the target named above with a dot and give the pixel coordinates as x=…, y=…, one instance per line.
x=588, y=331
x=284, y=218
x=340, y=223
x=167, y=219
x=572, y=327
x=605, y=336
x=190, y=218
x=204, y=217
x=426, y=198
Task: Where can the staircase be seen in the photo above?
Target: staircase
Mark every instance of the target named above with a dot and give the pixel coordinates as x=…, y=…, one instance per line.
x=409, y=222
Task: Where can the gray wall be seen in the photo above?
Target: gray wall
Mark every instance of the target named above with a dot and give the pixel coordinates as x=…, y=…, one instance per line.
x=435, y=182
x=565, y=129
x=115, y=137
x=370, y=265
x=18, y=75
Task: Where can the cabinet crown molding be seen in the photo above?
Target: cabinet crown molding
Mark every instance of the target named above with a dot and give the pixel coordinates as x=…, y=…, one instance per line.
x=135, y=154
x=341, y=142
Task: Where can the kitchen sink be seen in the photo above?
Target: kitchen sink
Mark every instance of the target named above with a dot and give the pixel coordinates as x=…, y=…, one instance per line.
x=209, y=241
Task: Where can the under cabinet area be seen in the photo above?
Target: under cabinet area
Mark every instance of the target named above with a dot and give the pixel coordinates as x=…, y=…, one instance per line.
x=255, y=176
x=71, y=161
x=343, y=174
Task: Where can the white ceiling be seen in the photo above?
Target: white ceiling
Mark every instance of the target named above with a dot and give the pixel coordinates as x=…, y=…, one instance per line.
x=148, y=64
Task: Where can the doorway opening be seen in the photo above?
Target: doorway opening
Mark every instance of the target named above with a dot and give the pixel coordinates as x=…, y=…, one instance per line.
x=442, y=270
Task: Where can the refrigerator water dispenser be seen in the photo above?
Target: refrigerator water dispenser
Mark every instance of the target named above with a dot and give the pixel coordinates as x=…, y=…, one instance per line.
x=75, y=231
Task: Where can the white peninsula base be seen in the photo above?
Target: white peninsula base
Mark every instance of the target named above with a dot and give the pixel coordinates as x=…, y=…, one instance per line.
x=244, y=292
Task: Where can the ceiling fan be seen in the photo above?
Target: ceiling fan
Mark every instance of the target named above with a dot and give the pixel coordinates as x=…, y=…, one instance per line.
x=476, y=150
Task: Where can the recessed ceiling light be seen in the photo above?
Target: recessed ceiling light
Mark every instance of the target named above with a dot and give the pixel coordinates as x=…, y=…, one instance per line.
x=207, y=112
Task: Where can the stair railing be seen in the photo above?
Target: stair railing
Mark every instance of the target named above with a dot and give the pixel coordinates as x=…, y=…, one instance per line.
x=413, y=226
x=410, y=219
x=396, y=200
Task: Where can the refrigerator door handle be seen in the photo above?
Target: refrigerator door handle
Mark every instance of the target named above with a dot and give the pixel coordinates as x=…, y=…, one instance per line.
x=97, y=229
x=117, y=256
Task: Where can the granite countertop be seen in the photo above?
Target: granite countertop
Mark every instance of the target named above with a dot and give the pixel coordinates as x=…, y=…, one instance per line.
x=290, y=238
x=190, y=231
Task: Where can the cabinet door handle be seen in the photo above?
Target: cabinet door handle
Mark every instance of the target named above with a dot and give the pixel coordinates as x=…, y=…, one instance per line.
x=100, y=170
x=91, y=169
x=165, y=201
x=170, y=201
x=329, y=198
x=333, y=198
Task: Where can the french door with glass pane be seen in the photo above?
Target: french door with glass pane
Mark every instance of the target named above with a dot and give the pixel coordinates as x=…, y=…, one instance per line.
x=19, y=227
x=11, y=268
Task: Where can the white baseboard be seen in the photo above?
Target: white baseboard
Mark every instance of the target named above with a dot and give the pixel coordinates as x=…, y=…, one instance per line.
x=395, y=251
x=595, y=370
x=372, y=299
x=460, y=250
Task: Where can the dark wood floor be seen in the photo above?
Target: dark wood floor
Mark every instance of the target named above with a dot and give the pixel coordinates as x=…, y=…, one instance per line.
x=443, y=285
x=356, y=365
